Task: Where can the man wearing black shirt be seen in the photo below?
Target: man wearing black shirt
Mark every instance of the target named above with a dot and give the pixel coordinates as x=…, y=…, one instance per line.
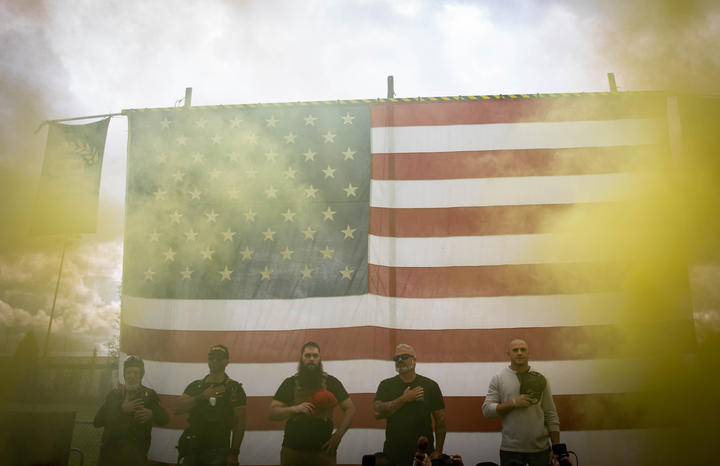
x=127, y=416
x=307, y=400
x=407, y=401
x=216, y=404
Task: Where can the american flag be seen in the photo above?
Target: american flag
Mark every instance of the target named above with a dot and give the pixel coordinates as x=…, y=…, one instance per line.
x=362, y=225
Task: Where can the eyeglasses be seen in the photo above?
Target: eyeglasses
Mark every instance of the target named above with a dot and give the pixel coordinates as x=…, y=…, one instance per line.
x=216, y=357
x=403, y=356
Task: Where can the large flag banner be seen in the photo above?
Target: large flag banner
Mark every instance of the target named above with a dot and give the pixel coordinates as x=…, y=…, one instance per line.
x=69, y=187
x=364, y=224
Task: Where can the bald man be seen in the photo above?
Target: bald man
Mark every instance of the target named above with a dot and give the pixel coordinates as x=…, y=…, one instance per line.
x=408, y=401
x=523, y=401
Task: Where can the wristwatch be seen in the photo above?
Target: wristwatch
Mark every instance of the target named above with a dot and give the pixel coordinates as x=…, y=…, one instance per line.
x=234, y=451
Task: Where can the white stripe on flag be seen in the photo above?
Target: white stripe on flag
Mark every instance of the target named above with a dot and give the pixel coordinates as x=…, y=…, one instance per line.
x=373, y=310
x=521, y=190
x=459, y=251
x=504, y=136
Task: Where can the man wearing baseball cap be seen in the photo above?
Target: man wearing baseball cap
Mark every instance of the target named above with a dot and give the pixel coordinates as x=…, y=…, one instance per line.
x=127, y=415
x=410, y=403
x=216, y=404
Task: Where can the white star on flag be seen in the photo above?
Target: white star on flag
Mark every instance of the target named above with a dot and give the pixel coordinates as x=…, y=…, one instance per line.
x=328, y=214
x=225, y=273
x=349, y=154
x=329, y=137
x=187, y=273
x=272, y=122
x=329, y=172
x=190, y=235
x=309, y=155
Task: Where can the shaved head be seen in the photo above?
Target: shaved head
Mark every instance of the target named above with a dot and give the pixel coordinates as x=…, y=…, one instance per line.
x=516, y=340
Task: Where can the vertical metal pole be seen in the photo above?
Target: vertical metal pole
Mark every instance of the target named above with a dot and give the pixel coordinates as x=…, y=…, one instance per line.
x=52, y=310
x=611, y=82
x=188, y=97
x=675, y=132
x=392, y=219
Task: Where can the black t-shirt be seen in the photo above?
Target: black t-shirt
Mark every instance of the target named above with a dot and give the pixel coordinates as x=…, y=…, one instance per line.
x=212, y=424
x=302, y=431
x=412, y=420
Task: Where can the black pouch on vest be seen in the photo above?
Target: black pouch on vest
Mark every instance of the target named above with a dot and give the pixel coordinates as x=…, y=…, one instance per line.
x=188, y=443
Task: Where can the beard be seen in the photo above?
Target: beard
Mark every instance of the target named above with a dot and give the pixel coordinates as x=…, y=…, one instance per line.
x=132, y=387
x=310, y=377
x=404, y=369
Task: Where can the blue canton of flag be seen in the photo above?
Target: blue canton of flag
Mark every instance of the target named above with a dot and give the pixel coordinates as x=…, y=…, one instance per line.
x=247, y=202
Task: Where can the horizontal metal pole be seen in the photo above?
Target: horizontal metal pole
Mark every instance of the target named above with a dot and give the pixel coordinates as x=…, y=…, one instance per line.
x=76, y=118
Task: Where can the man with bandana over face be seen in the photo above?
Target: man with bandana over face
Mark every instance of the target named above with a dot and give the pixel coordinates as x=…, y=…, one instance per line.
x=127, y=416
x=307, y=400
x=407, y=401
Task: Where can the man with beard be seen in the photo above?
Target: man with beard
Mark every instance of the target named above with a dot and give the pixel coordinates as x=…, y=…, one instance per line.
x=127, y=416
x=307, y=400
x=216, y=404
x=523, y=401
x=407, y=401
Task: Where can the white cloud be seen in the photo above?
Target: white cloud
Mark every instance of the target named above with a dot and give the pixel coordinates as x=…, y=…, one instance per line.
x=549, y=49
x=88, y=303
x=17, y=318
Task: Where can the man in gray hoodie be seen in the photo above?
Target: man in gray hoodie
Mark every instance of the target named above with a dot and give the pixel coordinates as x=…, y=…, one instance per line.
x=523, y=400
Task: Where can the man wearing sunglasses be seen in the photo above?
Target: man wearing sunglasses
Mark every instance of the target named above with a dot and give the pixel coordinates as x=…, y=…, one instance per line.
x=216, y=404
x=408, y=401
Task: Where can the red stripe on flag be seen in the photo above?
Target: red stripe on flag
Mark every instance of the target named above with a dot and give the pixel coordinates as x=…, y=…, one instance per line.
x=505, y=163
x=473, y=221
x=447, y=345
x=514, y=111
x=493, y=280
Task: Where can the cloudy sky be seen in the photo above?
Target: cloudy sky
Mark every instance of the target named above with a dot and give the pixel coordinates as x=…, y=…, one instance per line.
x=68, y=58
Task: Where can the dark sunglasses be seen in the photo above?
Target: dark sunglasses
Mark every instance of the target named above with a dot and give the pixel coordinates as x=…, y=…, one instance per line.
x=404, y=357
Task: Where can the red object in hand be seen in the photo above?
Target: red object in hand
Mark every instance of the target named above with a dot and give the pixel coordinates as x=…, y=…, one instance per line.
x=322, y=400
x=421, y=449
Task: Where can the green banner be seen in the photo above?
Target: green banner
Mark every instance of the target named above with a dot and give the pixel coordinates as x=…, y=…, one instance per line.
x=69, y=187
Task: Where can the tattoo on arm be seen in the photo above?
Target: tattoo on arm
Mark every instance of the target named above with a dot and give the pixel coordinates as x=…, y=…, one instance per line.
x=440, y=427
x=384, y=409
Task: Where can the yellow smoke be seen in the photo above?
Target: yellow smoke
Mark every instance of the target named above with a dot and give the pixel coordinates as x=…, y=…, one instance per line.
x=670, y=232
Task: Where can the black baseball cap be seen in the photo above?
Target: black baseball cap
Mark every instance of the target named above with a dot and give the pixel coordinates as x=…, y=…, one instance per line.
x=134, y=361
x=222, y=349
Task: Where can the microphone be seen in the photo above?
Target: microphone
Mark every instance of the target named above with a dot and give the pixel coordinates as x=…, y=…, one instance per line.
x=421, y=449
